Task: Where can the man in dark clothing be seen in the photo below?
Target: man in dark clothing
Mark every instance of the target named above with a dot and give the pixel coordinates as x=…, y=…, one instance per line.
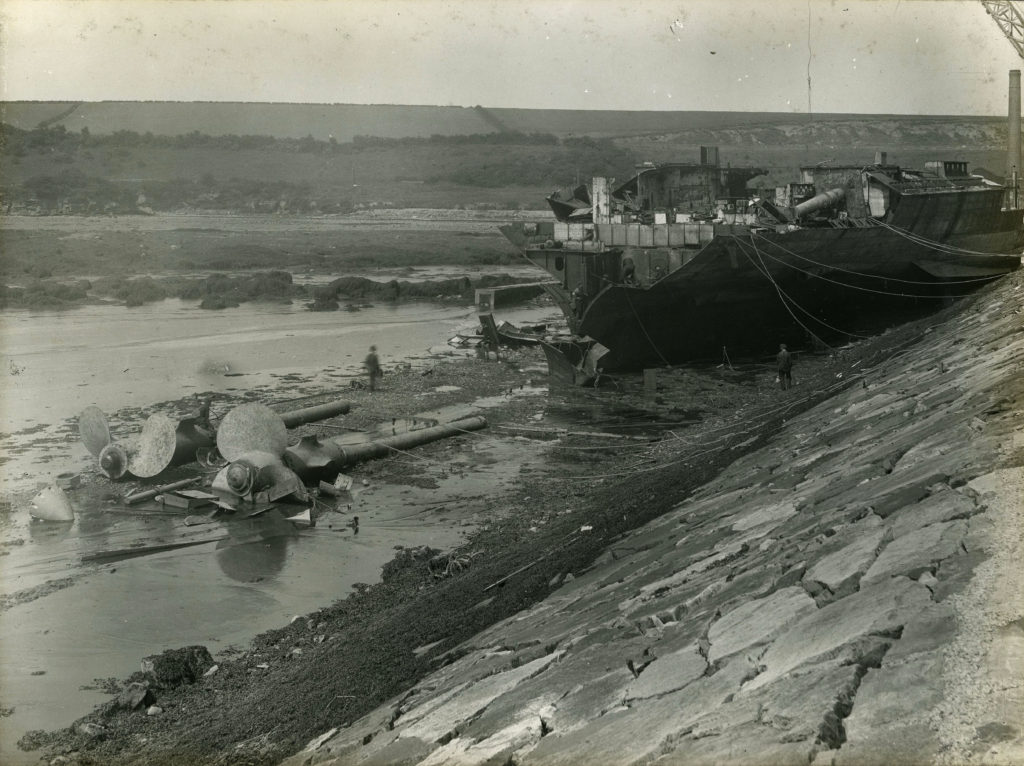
x=203, y=415
x=579, y=299
x=784, y=362
x=628, y=271
x=372, y=365
x=202, y=420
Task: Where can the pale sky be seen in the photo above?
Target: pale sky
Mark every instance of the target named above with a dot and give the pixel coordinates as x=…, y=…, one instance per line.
x=867, y=56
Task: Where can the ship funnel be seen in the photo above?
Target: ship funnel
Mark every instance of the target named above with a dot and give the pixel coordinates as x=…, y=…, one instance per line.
x=1013, y=168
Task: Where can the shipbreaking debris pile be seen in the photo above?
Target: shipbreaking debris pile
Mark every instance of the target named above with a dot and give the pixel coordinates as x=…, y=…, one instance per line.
x=247, y=467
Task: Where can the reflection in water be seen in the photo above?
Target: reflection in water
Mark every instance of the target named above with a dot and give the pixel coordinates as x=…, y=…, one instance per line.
x=103, y=624
x=256, y=549
x=48, y=532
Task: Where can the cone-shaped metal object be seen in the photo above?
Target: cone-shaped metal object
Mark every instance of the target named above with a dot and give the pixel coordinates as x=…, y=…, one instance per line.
x=240, y=477
x=259, y=476
x=157, y=443
x=93, y=430
x=52, y=505
x=114, y=458
x=251, y=428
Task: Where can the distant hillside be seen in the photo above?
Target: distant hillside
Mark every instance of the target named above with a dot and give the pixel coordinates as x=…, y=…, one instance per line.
x=504, y=160
x=345, y=121
x=321, y=121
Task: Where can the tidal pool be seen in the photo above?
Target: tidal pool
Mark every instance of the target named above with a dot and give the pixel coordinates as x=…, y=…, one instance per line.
x=98, y=619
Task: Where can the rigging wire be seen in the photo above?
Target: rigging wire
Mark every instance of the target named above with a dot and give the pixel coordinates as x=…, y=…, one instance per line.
x=820, y=321
x=782, y=295
x=730, y=429
x=726, y=430
x=644, y=329
x=858, y=287
x=617, y=447
x=865, y=274
x=938, y=245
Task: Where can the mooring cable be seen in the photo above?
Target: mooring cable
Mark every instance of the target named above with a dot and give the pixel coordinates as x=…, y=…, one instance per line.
x=940, y=246
x=781, y=293
x=644, y=329
x=832, y=267
x=820, y=321
x=865, y=289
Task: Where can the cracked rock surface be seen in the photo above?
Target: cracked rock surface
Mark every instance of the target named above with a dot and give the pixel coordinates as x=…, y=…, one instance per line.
x=849, y=594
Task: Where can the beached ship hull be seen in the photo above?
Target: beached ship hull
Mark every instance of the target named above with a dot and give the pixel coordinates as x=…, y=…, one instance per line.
x=697, y=288
x=722, y=299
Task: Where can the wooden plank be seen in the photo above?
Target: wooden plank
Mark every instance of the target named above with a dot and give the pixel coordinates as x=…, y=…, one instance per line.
x=128, y=553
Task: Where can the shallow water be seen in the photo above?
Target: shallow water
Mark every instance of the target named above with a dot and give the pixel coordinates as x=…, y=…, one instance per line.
x=57, y=363
x=247, y=576
x=251, y=575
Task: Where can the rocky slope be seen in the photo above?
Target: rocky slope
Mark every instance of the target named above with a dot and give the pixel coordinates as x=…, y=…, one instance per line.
x=849, y=594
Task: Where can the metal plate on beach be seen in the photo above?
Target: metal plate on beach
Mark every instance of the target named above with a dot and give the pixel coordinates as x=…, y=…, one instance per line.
x=251, y=428
x=93, y=430
x=156, y=446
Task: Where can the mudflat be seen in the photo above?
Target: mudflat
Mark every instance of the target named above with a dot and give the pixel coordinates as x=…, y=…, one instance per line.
x=335, y=664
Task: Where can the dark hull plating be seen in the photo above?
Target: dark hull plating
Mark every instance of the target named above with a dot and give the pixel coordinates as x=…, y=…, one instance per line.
x=748, y=292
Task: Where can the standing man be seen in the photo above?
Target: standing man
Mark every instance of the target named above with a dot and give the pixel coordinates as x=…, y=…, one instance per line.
x=372, y=365
x=784, y=362
x=201, y=419
x=628, y=271
x=579, y=299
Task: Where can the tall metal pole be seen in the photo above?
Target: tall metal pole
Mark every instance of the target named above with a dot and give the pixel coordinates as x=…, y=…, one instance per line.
x=1013, y=167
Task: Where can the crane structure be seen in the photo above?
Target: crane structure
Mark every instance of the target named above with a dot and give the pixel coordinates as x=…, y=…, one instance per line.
x=1009, y=18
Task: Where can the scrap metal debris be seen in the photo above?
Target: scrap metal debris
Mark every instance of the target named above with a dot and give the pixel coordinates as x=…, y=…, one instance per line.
x=52, y=504
x=256, y=471
x=249, y=428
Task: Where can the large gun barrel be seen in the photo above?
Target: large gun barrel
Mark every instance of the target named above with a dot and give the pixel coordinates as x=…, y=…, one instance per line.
x=819, y=202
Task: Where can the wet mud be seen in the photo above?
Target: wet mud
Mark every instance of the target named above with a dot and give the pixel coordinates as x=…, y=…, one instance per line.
x=465, y=532
x=266, y=570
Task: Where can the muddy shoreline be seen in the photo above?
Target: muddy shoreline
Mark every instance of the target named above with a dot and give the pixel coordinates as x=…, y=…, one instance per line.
x=339, y=662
